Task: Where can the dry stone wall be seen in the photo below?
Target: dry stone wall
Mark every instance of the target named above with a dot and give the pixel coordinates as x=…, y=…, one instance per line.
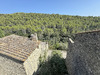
x=83, y=56
x=10, y=66
x=15, y=47
x=31, y=65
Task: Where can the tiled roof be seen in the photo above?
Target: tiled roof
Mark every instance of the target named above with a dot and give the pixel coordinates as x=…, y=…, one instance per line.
x=17, y=47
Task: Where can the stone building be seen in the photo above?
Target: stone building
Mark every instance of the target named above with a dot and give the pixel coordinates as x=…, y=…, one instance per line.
x=20, y=55
x=83, y=55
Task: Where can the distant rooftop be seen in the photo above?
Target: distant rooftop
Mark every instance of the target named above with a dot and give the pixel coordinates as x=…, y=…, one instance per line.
x=17, y=47
x=88, y=31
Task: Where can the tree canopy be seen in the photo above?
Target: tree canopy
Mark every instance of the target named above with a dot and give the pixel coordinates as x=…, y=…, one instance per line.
x=53, y=28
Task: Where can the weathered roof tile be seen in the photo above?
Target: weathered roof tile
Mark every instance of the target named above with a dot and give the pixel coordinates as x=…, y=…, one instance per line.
x=17, y=47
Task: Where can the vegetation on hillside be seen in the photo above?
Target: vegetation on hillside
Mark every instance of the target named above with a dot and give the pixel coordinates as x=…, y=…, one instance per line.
x=55, y=65
x=53, y=28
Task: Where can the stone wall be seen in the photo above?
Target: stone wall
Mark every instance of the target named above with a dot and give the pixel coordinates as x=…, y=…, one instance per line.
x=31, y=65
x=10, y=66
x=83, y=56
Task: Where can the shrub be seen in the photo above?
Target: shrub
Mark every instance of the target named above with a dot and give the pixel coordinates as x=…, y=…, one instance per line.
x=54, y=66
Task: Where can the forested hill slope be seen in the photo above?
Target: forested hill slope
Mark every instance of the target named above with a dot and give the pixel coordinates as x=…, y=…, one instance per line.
x=53, y=28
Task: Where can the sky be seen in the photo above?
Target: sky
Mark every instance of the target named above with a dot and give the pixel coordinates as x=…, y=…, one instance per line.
x=63, y=7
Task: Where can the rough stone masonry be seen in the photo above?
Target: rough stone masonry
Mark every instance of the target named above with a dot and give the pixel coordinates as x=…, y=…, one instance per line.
x=83, y=56
x=20, y=55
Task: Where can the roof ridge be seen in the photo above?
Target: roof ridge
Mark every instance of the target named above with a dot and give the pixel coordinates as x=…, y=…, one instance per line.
x=88, y=31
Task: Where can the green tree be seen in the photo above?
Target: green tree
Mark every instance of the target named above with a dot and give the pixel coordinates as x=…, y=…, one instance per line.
x=1, y=33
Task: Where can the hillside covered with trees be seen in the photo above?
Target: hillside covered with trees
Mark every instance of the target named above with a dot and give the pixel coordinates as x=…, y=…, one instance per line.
x=53, y=28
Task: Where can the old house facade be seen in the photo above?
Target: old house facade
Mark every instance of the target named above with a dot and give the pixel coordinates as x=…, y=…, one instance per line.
x=20, y=55
x=83, y=55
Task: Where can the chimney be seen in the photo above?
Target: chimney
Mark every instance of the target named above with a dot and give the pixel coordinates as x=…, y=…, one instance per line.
x=34, y=37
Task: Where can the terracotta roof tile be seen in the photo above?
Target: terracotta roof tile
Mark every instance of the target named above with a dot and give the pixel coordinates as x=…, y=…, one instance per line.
x=17, y=47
